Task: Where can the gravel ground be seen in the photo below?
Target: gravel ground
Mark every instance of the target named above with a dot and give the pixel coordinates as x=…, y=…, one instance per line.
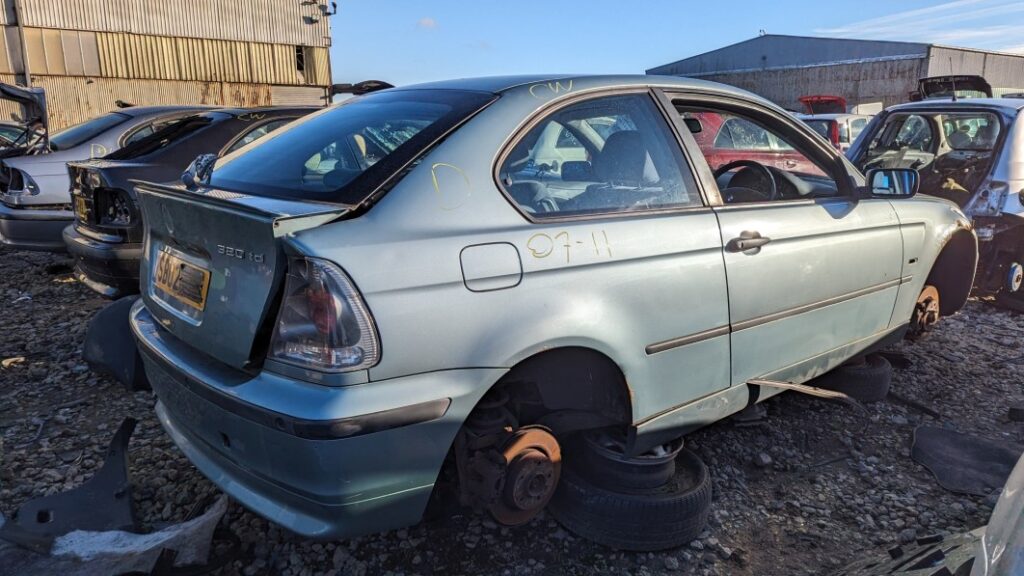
x=804, y=491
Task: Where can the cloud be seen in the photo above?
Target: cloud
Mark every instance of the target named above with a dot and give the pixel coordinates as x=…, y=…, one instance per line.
x=980, y=23
x=427, y=22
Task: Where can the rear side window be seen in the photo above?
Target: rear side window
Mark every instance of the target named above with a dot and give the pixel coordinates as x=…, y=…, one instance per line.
x=257, y=133
x=626, y=160
x=168, y=136
x=81, y=133
x=857, y=126
x=342, y=154
x=820, y=126
x=742, y=134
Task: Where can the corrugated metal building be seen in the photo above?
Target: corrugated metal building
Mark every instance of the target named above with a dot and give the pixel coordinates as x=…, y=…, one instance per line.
x=784, y=68
x=89, y=53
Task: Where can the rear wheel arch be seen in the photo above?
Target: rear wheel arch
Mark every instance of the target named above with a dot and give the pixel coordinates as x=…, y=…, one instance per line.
x=572, y=378
x=952, y=273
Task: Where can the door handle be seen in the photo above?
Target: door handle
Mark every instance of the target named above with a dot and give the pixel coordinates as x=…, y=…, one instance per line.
x=747, y=241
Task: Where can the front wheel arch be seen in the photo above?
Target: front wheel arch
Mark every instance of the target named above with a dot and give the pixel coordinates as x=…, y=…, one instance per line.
x=952, y=274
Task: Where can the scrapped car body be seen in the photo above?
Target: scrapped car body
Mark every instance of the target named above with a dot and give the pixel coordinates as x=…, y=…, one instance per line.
x=334, y=312
x=968, y=151
x=106, y=236
x=841, y=130
x=35, y=204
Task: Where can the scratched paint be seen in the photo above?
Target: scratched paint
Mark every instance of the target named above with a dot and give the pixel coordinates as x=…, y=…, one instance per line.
x=451, y=185
x=545, y=90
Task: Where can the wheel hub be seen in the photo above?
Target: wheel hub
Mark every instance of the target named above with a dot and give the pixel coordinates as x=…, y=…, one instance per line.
x=534, y=464
x=926, y=312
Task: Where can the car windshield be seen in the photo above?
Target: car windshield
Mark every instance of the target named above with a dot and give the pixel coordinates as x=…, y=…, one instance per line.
x=167, y=136
x=81, y=133
x=343, y=153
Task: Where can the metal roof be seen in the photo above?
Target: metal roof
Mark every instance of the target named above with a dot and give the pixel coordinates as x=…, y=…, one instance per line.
x=575, y=83
x=776, y=51
x=144, y=110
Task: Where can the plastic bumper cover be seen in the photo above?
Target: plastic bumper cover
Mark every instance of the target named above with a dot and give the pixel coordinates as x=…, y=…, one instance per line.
x=30, y=229
x=246, y=434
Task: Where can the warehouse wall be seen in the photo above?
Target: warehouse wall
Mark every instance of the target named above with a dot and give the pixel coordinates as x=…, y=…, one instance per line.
x=294, y=22
x=1005, y=72
x=72, y=100
x=888, y=82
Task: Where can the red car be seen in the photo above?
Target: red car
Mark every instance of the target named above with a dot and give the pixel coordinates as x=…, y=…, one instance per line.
x=724, y=138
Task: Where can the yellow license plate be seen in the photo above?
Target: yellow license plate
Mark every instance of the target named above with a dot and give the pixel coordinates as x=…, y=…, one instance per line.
x=81, y=210
x=186, y=282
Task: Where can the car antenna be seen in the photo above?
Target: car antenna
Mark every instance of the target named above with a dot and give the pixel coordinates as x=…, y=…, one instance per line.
x=952, y=78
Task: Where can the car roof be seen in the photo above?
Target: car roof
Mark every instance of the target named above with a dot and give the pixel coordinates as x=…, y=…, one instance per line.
x=268, y=110
x=1004, y=104
x=498, y=84
x=135, y=111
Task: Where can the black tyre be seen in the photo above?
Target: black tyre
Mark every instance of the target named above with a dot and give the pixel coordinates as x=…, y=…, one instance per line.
x=666, y=517
x=865, y=382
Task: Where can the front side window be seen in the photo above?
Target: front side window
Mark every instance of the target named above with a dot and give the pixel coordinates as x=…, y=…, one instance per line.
x=626, y=160
x=752, y=160
x=81, y=133
x=342, y=154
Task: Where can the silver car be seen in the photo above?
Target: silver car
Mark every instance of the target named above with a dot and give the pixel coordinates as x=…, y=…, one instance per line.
x=35, y=202
x=407, y=288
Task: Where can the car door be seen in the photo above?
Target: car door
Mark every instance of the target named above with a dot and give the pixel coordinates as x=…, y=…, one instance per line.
x=813, y=273
x=634, y=250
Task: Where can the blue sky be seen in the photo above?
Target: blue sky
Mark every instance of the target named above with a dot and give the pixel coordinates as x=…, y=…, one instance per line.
x=404, y=42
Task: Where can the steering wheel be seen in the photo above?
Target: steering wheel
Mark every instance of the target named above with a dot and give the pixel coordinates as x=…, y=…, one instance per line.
x=773, y=192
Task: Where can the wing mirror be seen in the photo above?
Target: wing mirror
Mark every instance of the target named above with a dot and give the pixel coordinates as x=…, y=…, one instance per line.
x=891, y=183
x=198, y=172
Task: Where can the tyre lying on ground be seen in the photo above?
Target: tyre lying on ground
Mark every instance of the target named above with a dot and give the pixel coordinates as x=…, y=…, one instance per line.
x=639, y=518
x=865, y=379
x=666, y=517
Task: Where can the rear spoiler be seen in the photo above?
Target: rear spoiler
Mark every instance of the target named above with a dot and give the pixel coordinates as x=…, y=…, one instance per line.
x=357, y=89
x=288, y=216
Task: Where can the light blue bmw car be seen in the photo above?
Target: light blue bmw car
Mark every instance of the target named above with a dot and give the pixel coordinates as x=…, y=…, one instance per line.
x=527, y=289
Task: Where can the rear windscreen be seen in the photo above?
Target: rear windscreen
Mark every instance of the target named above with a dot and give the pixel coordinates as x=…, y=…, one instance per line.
x=166, y=137
x=820, y=126
x=344, y=152
x=80, y=133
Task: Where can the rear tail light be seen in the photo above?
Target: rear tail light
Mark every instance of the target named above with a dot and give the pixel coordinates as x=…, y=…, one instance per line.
x=324, y=323
x=833, y=133
x=115, y=207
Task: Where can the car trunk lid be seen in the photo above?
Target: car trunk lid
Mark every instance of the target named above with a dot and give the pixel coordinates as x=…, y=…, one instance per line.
x=958, y=86
x=214, y=262
x=824, y=104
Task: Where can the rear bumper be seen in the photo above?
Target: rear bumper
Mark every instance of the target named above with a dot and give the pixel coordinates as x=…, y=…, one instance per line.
x=242, y=432
x=27, y=229
x=107, y=268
